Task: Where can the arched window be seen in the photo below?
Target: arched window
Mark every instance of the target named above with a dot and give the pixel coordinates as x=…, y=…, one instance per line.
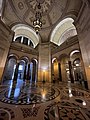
x=18, y=39
x=31, y=44
x=24, y=40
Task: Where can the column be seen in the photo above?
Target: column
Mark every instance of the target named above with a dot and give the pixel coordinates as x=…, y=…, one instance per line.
x=16, y=72
x=22, y=39
x=28, y=72
x=34, y=72
x=24, y=76
x=36, y=79
x=59, y=69
x=43, y=76
x=52, y=72
x=44, y=62
x=70, y=70
x=28, y=42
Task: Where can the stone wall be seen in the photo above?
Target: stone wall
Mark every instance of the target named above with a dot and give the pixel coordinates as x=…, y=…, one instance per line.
x=83, y=28
x=5, y=40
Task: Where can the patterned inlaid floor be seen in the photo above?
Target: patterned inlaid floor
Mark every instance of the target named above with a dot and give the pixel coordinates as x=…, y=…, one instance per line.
x=44, y=102
x=29, y=94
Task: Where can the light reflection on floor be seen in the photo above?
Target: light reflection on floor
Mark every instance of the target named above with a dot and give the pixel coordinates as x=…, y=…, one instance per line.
x=44, y=101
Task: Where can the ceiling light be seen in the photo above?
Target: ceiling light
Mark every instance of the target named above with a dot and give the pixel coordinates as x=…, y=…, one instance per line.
x=38, y=17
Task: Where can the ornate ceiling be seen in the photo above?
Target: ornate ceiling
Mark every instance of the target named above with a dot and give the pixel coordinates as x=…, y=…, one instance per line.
x=53, y=11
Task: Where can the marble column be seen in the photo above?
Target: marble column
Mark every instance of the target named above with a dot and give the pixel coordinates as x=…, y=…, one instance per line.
x=70, y=70
x=59, y=69
x=44, y=62
x=28, y=72
x=52, y=71
x=34, y=72
x=24, y=76
x=16, y=72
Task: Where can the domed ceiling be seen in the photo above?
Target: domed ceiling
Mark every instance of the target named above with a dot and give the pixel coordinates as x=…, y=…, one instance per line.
x=53, y=11
x=25, y=10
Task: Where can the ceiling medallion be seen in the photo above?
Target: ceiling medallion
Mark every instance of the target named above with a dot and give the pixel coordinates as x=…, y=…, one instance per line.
x=39, y=8
x=46, y=5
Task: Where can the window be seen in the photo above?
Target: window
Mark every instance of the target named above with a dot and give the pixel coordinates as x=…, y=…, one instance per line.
x=25, y=41
x=31, y=44
x=18, y=39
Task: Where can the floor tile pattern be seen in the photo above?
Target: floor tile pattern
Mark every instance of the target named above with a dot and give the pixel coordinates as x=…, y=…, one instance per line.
x=29, y=94
x=65, y=111
x=28, y=112
x=59, y=101
x=6, y=113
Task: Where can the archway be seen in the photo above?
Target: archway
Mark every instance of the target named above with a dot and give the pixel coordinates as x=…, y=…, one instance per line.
x=78, y=71
x=21, y=69
x=64, y=58
x=33, y=69
x=55, y=72
x=63, y=31
x=9, y=68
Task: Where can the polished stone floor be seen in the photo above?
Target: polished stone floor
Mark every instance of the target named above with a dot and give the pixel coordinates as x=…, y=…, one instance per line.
x=48, y=101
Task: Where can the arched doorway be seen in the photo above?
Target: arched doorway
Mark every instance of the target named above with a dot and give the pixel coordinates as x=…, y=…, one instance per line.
x=75, y=57
x=77, y=66
x=33, y=69
x=24, y=69
x=55, y=72
x=64, y=58
x=21, y=69
x=10, y=68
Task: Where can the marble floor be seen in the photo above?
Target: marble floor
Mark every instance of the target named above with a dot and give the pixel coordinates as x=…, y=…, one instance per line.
x=48, y=101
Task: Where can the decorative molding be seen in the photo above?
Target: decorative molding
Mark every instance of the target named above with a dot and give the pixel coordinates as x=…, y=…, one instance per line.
x=20, y=5
x=67, y=44
x=23, y=48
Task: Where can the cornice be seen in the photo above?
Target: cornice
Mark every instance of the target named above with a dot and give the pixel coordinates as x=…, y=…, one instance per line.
x=23, y=48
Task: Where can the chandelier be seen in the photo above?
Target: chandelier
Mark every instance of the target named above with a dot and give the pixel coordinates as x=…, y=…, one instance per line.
x=37, y=21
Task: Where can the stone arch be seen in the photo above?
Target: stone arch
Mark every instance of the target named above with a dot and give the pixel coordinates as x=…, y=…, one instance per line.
x=34, y=70
x=74, y=51
x=33, y=58
x=10, y=67
x=54, y=58
x=64, y=30
x=55, y=74
x=77, y=65
x=25, y=30
x=25, y=58
x=63, y=56
x=13, y=55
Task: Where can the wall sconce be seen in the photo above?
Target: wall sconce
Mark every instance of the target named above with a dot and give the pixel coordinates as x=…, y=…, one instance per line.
x=89, y=66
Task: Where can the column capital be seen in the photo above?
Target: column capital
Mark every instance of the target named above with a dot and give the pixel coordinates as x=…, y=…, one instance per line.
x=18, y=61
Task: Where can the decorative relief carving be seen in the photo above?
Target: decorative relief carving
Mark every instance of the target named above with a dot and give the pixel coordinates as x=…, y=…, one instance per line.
x=20, y=5
x=46, y=5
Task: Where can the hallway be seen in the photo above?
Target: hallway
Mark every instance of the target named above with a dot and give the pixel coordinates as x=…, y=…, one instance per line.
x=48, y=101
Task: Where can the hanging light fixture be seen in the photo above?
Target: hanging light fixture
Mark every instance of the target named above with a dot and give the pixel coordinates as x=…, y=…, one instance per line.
x=38, y=16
